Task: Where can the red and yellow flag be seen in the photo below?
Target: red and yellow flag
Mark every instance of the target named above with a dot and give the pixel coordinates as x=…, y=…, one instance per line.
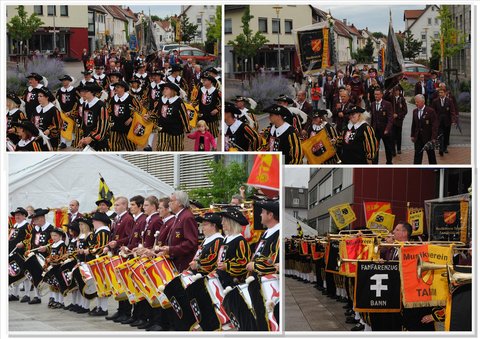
x=265, y=174
x=371, y=207
x=61, y=218
x=358, y=248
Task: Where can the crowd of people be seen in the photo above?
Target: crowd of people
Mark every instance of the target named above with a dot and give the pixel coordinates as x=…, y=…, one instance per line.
x=195, y=242
x=124, y=100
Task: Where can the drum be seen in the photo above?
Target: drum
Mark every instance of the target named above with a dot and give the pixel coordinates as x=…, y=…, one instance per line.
x=64, y=277
x=270, y=289
x=85, y=281
x=216, y=292
x=48, y=280
x=146, y=289
x=16, y=263
x=97, y=269
x=159, y=272
x=263, y=292
x=123, y=272
x=117, y=288
x=239, y=308
x=34, y=268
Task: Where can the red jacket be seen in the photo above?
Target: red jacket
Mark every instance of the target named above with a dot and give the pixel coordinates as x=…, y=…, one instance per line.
x=136, y=236
x=153, y=225
x=182, y=239
x=122, y=230
x=209, y=140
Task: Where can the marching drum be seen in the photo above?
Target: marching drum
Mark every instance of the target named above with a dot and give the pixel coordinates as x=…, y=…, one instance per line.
x=123, y=272
x=238, y=305
x=85, y=281
x=16, y=263
x=148, y=290
x=158, y=273
x=63, y=275
x=115, y=281
x=34, y=268
x=97, y=269
x=264, y=293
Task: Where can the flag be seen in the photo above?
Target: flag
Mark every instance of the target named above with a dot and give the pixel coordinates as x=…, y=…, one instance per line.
x=370, y=207
x=463, y=221
x=326, y=62
x=104, y=191
x=331, y=256
x=314, y=44
x=377, y=287
x=381, y=222
x=381, y=59
x=342, y=215
x=358, y=248
x=61, y=218
x=317, y=250
x=140, y=129
x=67, y=126
x=394, y=59
x=415, y=218
x=431, y=288
x=318, y=149
x=265, y=174
x=299, y=230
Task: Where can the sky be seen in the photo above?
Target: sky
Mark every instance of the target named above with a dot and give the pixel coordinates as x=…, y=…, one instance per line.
x=375, y=17
x=160, y=10
x=296, y=176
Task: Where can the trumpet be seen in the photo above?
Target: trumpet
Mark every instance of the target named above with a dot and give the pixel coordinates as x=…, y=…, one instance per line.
x=457, y=279
x=423, y=266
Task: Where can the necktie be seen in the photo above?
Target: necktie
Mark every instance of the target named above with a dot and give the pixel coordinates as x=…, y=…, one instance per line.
x=420, y=113
x=228, y=132
x=442, y=101
x=378, y=106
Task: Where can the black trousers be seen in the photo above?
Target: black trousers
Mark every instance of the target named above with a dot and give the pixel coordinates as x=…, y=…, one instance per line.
x=124, y=307
x=444, y=128
x=387, y=143
x=418, y=157
x=331, y=289
x=396, y=138
x=319, y=265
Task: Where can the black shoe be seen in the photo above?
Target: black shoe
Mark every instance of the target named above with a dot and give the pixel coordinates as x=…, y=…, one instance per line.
x=25, y=299
x=113, y=316
x=128, y=321
x=441, y=153
x=394, y=154
x=148, y=149
x=399, y=151
x=344, y=300
x=137, y=322
x=121, y=318
x=346, y=307
x=35, y=300
x=58, y=305
x=98, y=313
x=349, y=313
x=155, y=327
x=324, y=292
x=82, y=310
x=358, y=327
x=446, y=150
x=351, y=320
x=144, y=325
x=62, y=145
x=12, y=297
x=67, y=307
x=92, y=311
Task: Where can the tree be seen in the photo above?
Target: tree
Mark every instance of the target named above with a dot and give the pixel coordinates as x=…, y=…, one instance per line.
x=155, y=18
x=378, y=35
x=368, y=50
x=246, y=44
x=189, y=30
x=412, y=47
x=225, y=179
x=214, y=30
x=435, y=58
x=21, y=27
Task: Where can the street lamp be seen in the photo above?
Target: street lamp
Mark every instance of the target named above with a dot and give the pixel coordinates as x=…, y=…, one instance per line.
x=277, y=9
x=201, y=25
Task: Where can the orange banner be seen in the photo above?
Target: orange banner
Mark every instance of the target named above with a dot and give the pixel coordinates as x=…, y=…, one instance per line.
x=358, y=248
x=371, y=207
x=265, y=174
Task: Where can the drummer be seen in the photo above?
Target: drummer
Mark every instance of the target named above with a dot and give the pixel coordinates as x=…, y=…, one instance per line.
x=18, y=240
x=59, y=248
x=85, y=240
x=266, y=254
x=205, y=261
x=234, y=252
x=73, y=234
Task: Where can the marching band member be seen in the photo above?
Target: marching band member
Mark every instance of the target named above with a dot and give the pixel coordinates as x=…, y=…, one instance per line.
x=139, y=92
x=113, y=78
x=73, y=235
x=154, y=95
x=237, y=133
x=58, y=249
x=14, y=114
x=291, y=118
x=46, y=116
x=205, y=261
x=85, y=240
x=18, y=241
x=67, y=99
x=87, y=77
x=30, y=139
x=141, y=74
x=175, y=78
x=209, y=103
x=100, y=77
x=246, y=116
x=30, y=96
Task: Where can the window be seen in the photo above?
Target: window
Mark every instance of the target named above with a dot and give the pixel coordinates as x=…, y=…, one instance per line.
x=199, y=20
x=63, y=10
x=262, y=25
x=296, y=201
x=276, y=25
x=228, y=26
x=436, y=35
x=91, y=25
x=429, y=21
x=295, y=214
x=423, y=69
x=288, y=26
x=197, y=53
x=52, y=10
x=424, y=50
x=424, y=36
x=38, y=10
x=212, y=18
x=436, y=21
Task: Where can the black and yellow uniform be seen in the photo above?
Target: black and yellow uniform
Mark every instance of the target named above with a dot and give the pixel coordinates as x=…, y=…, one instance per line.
x=154, y=93
x=266, y=254
x=68, y=100
x=207, y=258
x=14, y=115
x=143, y=78
x=358, y=144
x=32, y=145
x=209, y=100
x=235, y=253
x=72, y=247
x=58, y=249
x=48, y=118
x=120, y=110
x=242, y=136
x=100, y=239
x=248, y=118
x=172, y=118
x=95, y=124
x=19, y=233
x=101, y=80
x=31, y=100
x=84, y=242
x=141, y=94
x=41, y=237
x=285, y=140
x=179, y=81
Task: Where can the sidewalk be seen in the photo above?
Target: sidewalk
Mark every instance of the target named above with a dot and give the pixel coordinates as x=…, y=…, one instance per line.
x=457, y=154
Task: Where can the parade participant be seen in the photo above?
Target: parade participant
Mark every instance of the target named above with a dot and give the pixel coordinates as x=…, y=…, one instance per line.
x=303, y=104
x=340, y=83
x=357, y=89
x=209, y=103
x=174, y=58
x=73, y=213
x=382, y=122
x=14, y=115
x=205, y=260
x=87, y=77
x=100, y=77
x=139, y=92
x=399, y=112
x=432, y=85
x=154, y=95
x=178, y=80
x=424, y=130
x=47, y=117
x=370, y=84
x=30, y=139
x=171, y=116
x=234, y=252
x=204, y=140
x=30, y=96
x=18, y=242
x=85, y=240
x=316, y=94
x=292, y=119
x=328, y=91
x=94, y=120
x=238, y=134
x=216, y=74
x=67, y=99
x=446, y=115
x=114, y=78
x=120, y=111
x=196, y=78
x=73, y=234
x=141, y=74
x=282, y=137
x=421, y=86
x=340, y=110
x=58, y=249
x=187, y=73
x=358, y=142
x=104, y=207
x=297, y=79
x=266, y=254
x=246, y=116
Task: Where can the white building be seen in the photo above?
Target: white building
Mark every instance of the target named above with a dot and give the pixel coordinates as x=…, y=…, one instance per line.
x=424, y=26
x=115, y=23
x=163, y=32
x=200, y=15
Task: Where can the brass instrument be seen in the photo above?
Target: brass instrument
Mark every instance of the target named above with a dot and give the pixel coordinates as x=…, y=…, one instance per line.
x=423, y=266
x=457, y=279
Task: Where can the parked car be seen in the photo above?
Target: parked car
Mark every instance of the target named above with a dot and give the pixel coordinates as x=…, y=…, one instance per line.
x=170, y=47
x=413, y=71
x=197, y=54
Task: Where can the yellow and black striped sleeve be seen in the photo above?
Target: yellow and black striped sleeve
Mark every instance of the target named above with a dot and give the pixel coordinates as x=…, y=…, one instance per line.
x=237, y=266
x=100, y=241
x=56, y=122
x=196, y=96
x=135, y=106
x=265, y=264
x=296, y=153
x=100, y=132
x=184, y=117
x=370, y=144
x=254, y=139
x=208, y=261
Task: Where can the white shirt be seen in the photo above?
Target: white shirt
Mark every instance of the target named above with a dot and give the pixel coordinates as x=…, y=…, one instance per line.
x=122, y=98
x=135, y=217
x=234, y=126
x=211, y=238
x=58, y=243
x=150, y=216
x=168, y=218
x=420, y=112
x=102, y=228
x=229, y=238
x=278, y=131
x=20, y=224
x=41, y=109
x=93, y=102
x=270, y=231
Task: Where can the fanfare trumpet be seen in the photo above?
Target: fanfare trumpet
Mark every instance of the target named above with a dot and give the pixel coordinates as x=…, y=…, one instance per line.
x=457, y=279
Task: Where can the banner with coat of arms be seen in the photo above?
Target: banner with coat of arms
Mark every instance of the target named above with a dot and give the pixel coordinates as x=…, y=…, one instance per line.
x=313, y=47
x=342, y=215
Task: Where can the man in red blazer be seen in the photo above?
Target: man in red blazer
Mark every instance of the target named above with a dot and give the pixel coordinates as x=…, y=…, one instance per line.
x=182, y=238
x=382, y=122
x=447, y=116
x=73, y=213
x=424, y=129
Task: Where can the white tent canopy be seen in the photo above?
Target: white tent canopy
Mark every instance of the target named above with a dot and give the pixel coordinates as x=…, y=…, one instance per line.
x=55, y=181
x=290, y=226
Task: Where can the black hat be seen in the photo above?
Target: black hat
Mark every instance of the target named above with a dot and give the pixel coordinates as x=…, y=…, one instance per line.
x=103, y=217
x=196, y=203
x=212, y=70
x=170, y=85
x=19, y=210
x=235, y=215
x=230, y=107
x=85, y=220
x=66, y=77
x=99, y=67
x=135, y=80
x=141, y=65
x=240, y=98
x=90, y=87
x=123, y=84
x=157, y=72
x=355, y=109
x=432, y=72
x=372, y=70
x=59, y=231
x=39, y=212
x=319, y=113
x=27, y=125
x=206, y=75
x=278, y=110
x=115, y=73
x=88, y=71
x=12, y=96
x=36, y=76
x=74, y=226
x=214, y=218
x=107, y=202
x=283, y=97
x=176, y=68
x=269, y=205
x=46, y=92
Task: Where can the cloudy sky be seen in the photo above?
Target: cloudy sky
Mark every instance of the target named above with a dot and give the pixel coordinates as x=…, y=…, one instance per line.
x=162, y=11
x=296, y=176
x=375, y=17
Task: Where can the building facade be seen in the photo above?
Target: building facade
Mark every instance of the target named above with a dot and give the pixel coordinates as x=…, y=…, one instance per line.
x=117, y=27
x=296, y=202
x=424, y=26
x=462, y=18
x=96, y=27
x=201, y=16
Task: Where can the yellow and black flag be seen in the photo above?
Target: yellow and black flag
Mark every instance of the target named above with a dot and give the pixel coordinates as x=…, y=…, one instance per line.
x=299, y=230
x=104, y=191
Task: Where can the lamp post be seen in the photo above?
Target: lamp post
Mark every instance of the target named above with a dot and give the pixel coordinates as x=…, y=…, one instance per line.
x=201, y=26
x=277, y=9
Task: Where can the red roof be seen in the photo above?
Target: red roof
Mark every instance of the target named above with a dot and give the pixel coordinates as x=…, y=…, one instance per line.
x=116, y=12
x=410, y=14
x=353, y=30
x=341, y=28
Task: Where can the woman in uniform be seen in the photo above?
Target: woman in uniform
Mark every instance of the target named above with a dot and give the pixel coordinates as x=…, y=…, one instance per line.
x=29, y=137
x=47, y=117
x=14, y=114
